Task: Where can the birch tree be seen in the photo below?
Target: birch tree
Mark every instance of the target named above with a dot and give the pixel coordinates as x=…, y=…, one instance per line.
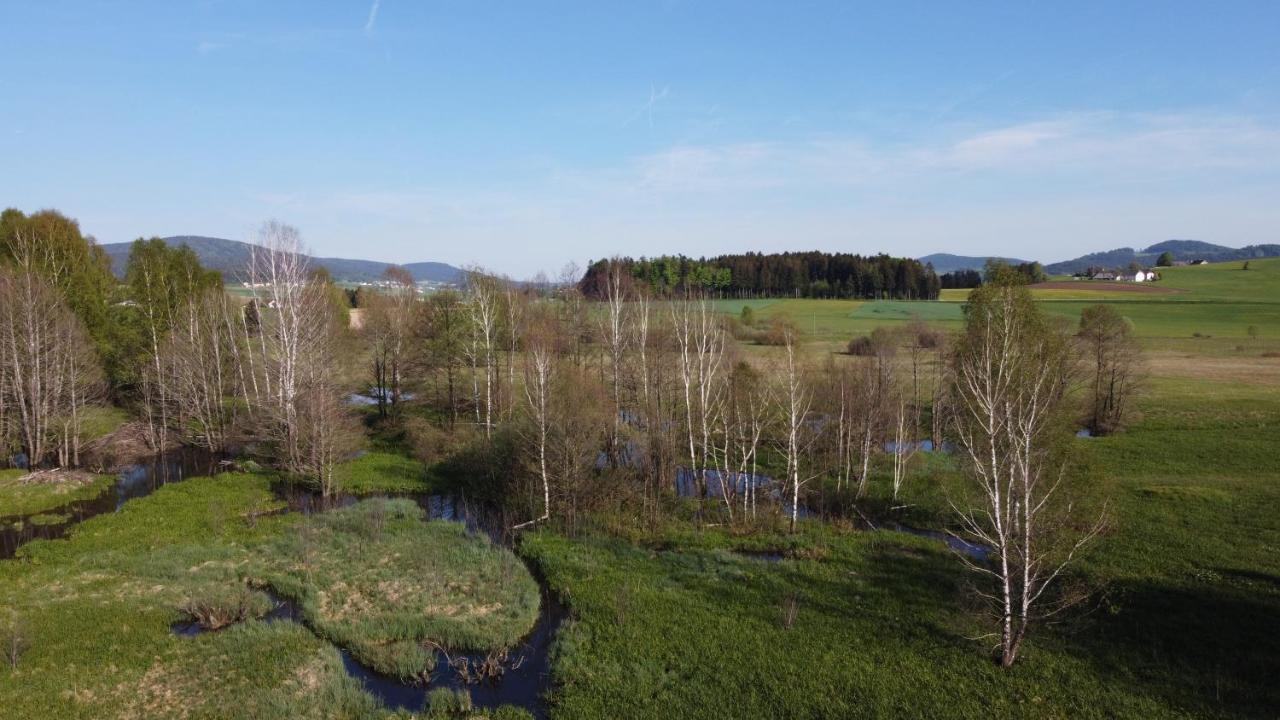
x=299, y=336
x=540, y=362
x=700, y=345
x=795, y=399
x=1013, y=372
x=50, y=369
x=199, y=373
x=482, y=304
x=389, y=325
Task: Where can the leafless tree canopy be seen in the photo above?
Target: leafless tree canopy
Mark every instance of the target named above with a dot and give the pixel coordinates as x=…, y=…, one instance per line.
x=48, y=370
x=298, y=404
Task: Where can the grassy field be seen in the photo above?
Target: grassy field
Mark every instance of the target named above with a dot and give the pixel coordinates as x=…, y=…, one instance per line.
x=379, y=471
x=683, y=619
x=1217, y=310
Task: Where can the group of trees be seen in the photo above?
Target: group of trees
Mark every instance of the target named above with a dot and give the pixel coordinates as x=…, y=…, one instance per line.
x=201, y=366
x=960, y=279
x=271, y=368
x=54, y=289
x=791, y=274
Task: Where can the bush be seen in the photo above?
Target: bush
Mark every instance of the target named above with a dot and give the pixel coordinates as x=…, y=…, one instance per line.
x=14, y=641
x=881, y=340
x=226, y=607
x=924, y=336
x=779, y=327
x=429, y=443
x=861, y=346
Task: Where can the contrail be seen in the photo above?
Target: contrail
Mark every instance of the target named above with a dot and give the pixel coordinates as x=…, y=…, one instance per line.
x=373, y=17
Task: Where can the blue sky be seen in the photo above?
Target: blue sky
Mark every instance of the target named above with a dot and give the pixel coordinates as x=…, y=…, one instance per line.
x=523, y=135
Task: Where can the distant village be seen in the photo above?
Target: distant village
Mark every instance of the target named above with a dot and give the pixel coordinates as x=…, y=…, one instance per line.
x=1134, y=273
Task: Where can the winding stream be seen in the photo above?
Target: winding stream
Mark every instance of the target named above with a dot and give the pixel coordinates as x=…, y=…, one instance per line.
x=135, y=480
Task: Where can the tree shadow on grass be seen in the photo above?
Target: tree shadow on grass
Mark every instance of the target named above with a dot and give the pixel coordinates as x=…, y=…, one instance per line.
x=1209, y=647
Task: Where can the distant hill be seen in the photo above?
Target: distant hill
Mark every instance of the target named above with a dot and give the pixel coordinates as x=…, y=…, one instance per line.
x=231, y=258
x=1181, y=250
x=946, y=262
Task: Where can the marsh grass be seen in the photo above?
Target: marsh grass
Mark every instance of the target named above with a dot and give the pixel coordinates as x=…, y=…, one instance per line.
x=383, y=472
x=23, y=493
x=376, y=579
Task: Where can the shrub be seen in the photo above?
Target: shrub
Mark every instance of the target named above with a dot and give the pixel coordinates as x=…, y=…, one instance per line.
x=225, y=607
x=881, y=340
x=779, y=327
x=14, y=641
x=861, y=346
x=430, y=443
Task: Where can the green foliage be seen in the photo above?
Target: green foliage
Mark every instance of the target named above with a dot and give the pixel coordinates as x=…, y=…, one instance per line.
x=1165, y=259
x=161, y=278
x=76, y=266
x=748, y=316
x=999, y=272
x=789, y=274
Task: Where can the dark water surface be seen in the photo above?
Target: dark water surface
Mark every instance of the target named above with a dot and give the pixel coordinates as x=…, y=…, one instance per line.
x=135, y=480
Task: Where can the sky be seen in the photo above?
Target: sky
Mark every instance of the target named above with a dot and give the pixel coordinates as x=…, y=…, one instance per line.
x=521, y=136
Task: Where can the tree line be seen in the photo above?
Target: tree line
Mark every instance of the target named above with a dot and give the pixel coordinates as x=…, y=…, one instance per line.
x=790, y=274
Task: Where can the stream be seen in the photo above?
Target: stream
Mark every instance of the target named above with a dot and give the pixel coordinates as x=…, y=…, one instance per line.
x=137, y=479
x=526, y=676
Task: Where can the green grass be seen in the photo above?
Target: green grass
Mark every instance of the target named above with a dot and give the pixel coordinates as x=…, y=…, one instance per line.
x=383, y=472
x=102, y=420
x=879, y=632
x=27, y=498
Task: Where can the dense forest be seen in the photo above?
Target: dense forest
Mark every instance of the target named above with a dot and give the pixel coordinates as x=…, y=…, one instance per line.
x=790, y=274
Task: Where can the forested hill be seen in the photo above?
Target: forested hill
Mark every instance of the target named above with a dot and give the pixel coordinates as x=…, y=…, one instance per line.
x=946, y=262
x=791, y=274
x=231, y=258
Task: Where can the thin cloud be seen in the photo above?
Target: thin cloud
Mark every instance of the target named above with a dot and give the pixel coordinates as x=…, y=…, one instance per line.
x=373, y=17
x=646, y=110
